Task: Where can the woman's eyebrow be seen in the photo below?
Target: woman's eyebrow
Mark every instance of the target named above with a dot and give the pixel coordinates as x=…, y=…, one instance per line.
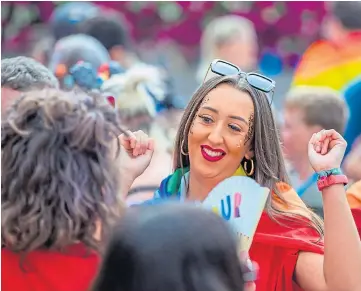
x=210, y=109
x=238, y=118
x=230, y=116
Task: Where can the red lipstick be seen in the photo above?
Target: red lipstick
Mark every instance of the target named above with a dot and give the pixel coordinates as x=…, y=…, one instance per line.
x=211, y=154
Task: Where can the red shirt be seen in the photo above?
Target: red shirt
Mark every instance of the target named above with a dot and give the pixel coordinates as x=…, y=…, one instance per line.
x=73, y=270
x=275, y=248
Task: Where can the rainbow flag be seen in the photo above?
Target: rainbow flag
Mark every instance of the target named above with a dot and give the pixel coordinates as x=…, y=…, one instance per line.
x=328, y=64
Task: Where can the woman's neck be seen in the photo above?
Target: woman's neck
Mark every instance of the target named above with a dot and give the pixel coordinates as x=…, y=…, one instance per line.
x=199, y=187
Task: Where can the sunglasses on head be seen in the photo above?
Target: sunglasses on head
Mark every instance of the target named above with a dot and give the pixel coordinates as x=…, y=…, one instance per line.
x=257, y=81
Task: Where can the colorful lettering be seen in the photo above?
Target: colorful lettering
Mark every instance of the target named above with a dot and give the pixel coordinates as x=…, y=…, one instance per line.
x=237, y=203
x=227, y=215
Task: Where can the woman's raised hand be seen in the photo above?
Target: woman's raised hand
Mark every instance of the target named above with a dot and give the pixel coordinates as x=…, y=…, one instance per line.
x=326, y=150
x=136, y=153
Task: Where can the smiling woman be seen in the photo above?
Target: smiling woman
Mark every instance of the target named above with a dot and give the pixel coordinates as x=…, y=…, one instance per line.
x=216, y=142
x=228, y=130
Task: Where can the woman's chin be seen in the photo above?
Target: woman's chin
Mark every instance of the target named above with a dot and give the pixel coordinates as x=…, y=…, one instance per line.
x=209, y=173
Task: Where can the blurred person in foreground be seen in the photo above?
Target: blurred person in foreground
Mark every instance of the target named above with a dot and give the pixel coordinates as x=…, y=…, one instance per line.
x=228, y=130
x=23, y=74
x=162, y=248
x=308, y=110
x=59, y=189
x=335, y=60
x=231, y=38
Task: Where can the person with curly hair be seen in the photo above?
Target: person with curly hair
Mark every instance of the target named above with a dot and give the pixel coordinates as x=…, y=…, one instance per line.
x=59, y=189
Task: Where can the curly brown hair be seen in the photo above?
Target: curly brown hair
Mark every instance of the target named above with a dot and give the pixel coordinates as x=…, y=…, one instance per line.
x=59, y=176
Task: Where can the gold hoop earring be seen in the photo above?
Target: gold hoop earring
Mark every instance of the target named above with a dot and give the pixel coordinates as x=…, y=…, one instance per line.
x=251, y=172
x=182, y=151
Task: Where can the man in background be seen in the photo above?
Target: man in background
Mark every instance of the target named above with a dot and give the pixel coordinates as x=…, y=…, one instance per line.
x=307, y=111
x=22, y=74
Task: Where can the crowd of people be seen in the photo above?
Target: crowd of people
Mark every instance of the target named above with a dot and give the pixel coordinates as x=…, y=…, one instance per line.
x=103, y=170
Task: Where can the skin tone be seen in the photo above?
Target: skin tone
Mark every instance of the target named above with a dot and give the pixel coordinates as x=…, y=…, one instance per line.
x=295, y=136
x=339, y=268
x=333, y=30
x=240, y=52
x=7, y=98
x=222, y=122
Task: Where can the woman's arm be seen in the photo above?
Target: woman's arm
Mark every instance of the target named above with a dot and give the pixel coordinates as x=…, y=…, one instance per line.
x=340, y=267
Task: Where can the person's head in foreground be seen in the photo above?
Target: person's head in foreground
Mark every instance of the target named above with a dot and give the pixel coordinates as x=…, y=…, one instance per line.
x=59, y=181
x=231, y=38
x=171, y=247
x=307, y=111
x=342, y=19
x=228, y=128
x=22, y=74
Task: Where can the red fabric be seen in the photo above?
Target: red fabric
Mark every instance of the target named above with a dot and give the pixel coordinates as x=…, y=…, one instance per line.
x=275, y=248
x=356, y=213
x=73, y=270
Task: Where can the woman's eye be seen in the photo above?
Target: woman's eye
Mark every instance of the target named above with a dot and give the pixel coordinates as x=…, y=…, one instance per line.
x=205, y=119
x=235, y=127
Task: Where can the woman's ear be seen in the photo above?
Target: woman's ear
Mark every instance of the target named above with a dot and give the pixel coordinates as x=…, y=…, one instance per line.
x=249, y=154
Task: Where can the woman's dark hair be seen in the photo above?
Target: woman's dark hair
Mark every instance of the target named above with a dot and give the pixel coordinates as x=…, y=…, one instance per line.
x=59, y=181
x=176, y=247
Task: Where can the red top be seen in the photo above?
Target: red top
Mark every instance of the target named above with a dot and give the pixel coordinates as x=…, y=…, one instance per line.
x=356, y=213
x=275, y=248
x=73, y=270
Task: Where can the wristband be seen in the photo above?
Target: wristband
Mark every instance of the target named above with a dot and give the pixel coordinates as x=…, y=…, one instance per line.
x=331, y=180
x=332, y=172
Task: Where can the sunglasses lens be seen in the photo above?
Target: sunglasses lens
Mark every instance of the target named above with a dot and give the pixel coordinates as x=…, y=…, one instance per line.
x=224, y=69
x=260, y=82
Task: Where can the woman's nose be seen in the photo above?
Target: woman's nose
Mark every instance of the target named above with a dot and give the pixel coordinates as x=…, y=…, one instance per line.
x=216, y=135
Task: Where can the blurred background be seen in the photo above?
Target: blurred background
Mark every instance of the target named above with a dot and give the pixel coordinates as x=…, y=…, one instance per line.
x=169, y=34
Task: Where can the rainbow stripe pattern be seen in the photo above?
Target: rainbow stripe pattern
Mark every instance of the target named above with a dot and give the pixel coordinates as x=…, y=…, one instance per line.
x=328, y=64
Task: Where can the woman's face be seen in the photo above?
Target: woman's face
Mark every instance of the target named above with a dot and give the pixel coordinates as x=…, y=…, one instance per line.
x=220, y=135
